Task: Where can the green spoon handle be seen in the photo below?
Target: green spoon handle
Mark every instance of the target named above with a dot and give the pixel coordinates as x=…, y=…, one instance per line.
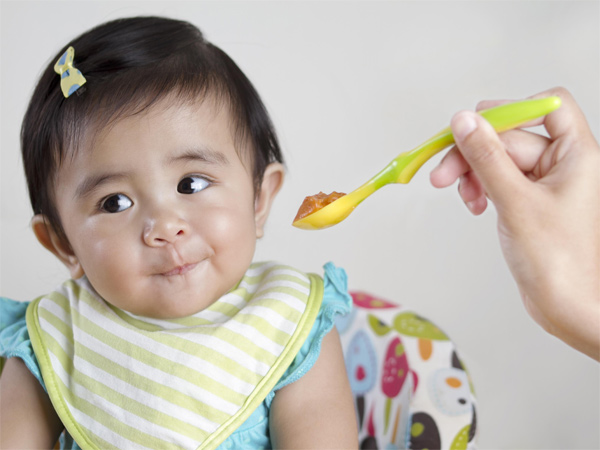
x=502, y=118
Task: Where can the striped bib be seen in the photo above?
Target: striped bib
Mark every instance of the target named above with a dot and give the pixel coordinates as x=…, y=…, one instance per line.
x=120, y=381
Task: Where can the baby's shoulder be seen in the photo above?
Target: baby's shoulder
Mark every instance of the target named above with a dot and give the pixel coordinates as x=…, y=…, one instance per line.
x=14, y=336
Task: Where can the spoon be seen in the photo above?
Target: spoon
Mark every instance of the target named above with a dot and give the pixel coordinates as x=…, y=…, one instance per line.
x=404, y=166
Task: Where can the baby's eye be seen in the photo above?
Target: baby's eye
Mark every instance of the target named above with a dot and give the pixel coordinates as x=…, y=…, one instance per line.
x=192, y=184
x=116, y=203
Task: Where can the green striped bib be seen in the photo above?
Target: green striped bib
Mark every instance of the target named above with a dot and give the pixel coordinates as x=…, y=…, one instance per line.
x=120, y=381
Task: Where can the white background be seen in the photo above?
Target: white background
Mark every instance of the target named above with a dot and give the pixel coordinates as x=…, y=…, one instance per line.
x=350, y=85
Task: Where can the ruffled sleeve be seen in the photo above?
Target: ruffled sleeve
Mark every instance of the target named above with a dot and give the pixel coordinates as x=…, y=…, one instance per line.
x=14, y=337
x=336, y=302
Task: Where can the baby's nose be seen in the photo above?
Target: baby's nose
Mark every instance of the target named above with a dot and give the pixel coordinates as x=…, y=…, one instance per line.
x=164, y=230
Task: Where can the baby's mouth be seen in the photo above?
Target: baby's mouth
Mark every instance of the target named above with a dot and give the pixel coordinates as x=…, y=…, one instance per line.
x=179, y=270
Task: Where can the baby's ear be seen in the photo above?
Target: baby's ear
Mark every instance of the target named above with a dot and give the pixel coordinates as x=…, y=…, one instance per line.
x=271, y=183
x=46, y=235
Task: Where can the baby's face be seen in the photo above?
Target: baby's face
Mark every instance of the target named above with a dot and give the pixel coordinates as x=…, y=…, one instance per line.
x=160, y=212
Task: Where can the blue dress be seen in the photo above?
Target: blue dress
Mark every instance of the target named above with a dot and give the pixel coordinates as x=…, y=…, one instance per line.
x=254, y=432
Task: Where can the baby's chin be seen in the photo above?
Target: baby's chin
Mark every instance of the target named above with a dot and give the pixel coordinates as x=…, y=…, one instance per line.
x=162, y=307
x=158, y=301
x=170, y=310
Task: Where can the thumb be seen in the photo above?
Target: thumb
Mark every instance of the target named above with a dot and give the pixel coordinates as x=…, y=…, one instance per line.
x=481, y=147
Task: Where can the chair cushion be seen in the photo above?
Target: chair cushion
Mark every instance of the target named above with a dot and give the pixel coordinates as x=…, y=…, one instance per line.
x=411, y=388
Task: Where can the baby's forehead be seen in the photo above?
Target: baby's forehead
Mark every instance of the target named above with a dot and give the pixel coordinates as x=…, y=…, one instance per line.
x=185, y=122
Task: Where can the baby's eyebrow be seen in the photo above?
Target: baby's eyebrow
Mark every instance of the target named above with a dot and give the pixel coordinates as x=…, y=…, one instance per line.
x=203, y=154
x=207, y=155
x=90, y=184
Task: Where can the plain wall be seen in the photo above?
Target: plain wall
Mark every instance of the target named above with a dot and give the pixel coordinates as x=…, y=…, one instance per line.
x=349, y=86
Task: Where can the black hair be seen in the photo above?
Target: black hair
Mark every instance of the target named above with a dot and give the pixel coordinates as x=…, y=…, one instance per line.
x=129, y=65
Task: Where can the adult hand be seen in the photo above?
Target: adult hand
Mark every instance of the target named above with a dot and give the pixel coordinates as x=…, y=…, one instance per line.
x=546, y=191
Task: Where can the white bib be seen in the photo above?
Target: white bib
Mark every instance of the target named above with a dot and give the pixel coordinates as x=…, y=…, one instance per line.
x=120, y=381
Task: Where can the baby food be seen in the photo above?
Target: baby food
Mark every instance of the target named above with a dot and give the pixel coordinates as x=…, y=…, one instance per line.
x=314, y=203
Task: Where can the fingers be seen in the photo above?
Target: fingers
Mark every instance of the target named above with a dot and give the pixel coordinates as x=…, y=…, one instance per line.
x=452, y=167
x=470, y=189
x=487, y=104
x=568, y=119
x=472, y=192
x=524, y=148
x=485, y=153
x=502, y=166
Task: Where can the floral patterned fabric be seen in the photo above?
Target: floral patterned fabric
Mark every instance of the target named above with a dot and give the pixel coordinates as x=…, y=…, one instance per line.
x=411, y=389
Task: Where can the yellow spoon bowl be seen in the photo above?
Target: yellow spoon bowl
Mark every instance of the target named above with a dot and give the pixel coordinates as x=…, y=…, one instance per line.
x=404, y=166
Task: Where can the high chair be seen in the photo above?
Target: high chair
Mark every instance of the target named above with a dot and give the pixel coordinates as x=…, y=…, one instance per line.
x=410, y=387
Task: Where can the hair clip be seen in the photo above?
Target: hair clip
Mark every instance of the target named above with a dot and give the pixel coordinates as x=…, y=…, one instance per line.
x=71, y=78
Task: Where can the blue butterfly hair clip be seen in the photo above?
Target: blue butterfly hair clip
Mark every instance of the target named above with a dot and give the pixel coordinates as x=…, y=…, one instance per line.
x=71, y=78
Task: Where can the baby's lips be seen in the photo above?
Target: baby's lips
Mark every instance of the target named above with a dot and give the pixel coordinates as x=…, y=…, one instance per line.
x=179, y=270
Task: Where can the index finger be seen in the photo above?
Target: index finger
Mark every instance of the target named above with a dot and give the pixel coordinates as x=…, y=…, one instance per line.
x=568, y=119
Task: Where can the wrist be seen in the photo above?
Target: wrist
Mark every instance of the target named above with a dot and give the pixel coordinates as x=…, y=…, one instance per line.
x=574, y=319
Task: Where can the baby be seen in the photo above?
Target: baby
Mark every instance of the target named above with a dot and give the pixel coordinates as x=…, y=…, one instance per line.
x=152, y=165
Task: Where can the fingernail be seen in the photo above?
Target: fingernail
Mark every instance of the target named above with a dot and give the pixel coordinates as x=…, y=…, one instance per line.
x=463, y=125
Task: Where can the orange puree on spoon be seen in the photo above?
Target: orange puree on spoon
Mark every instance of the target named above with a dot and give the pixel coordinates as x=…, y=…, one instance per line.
x=314, y=203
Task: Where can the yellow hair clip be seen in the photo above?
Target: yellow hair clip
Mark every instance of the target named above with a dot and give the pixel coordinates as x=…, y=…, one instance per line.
x=71, y=79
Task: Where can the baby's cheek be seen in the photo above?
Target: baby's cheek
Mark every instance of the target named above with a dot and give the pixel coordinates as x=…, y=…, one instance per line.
x=231, y=222
x=109, y=265
x=113, y=255
x=232, y=233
